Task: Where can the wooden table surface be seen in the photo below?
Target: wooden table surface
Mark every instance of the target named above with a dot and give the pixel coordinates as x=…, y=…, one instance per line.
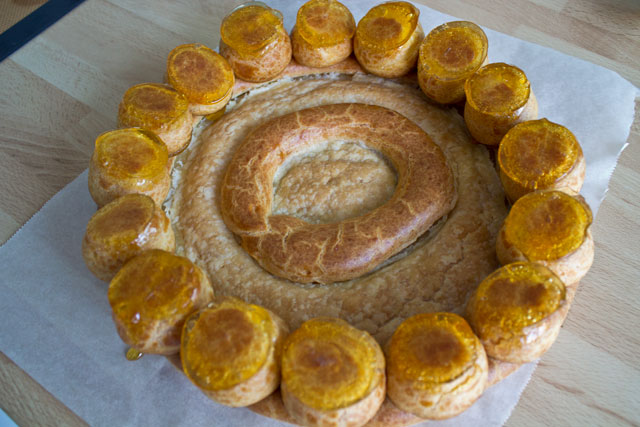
x=61, y=90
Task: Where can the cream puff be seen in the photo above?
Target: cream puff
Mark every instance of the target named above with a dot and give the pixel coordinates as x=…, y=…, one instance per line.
x=551, y=228
x=388, y=38
x=129, y=161
x=160, y=109
x=499, y=96
x=323, y=33
x=517, y=311
x=449, y=55
x=332, y=374
x=121, y=230
x=436, y=366
x=231, y=351
x=203, y=76
x=540, y=155
x=255, y=43
x=151, y=297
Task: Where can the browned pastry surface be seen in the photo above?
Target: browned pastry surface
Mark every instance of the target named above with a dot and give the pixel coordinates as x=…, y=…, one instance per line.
x=298, y=250
x=437, y=273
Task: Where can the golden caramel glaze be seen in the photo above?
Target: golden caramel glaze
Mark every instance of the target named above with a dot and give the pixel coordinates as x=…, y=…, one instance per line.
x=121, y=230
x=160, y=109
x=436, y=366
x=151, y=297
x=539, y=155
x=300, y=251
x=499, y=96
x=551, y=228
x=324, y=23
x=128, y=161
x=517, y=311
x=255, y=42
x=203, y=76
x=332, y=374
x=323, y=33
x=388, y=38
x=231, y=350
x=250, y=27
x=449, y=55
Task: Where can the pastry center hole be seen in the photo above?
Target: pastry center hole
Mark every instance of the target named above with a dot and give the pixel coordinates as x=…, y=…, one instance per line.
x=332, y=181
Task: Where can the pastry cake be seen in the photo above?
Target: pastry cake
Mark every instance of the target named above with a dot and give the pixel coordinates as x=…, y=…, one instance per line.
x=335, y=228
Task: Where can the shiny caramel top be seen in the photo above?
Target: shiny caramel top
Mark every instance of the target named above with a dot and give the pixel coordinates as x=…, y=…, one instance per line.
x=454, y=50
x=155, y=285
x=131, y=154
x=325, y=23
x=498, y=89
x=199, y=73
x=387, y=25
x=537, y=153
x=250, y=28
x=121, y=223
x=546, y=225
x=328, y=364
x=430, y=349
x=151, y=105
x=226, y=343
x=513, y=297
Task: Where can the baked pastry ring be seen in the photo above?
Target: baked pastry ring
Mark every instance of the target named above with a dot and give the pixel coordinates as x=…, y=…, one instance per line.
x=437, y=273
x=304, y=252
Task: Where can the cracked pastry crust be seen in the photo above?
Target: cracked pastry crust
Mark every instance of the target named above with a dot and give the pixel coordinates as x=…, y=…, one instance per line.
x=437, y=273
x=304, y=252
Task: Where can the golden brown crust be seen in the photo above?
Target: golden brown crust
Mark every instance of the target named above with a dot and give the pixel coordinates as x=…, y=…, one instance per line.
x=299, y=251
x=390, y=64
x=437, y=274
x=453, y=267
x=349, y=66
x=388, y=415
x=355, y=415
x=146, y=227
x=273, y=60
x=319, y=56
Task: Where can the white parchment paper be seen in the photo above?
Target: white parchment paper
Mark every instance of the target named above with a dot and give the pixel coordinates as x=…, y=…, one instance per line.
x=55, y=317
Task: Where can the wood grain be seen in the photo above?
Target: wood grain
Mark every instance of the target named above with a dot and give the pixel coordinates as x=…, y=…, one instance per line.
x=62, y=89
